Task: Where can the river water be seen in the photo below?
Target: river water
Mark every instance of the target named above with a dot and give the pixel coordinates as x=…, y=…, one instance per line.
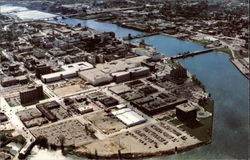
x=229, y=89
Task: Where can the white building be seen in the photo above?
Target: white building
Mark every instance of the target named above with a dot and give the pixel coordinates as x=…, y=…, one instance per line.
x=129, y=117
x=69, y=71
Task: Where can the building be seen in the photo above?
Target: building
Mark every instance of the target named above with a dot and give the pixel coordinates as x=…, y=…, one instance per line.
x=121, y=64
x=186, y=112
x=120, y=77
x=32, y=94
x=178, y=72
x=9, y=81
x=22, y=79
x=128, y=117
x=155, y=105
x=45, y=109
x=108, y=101
x=138, y=71
x=120, y=89
x=95, y=77
x=85, y=109
x=42, y=70
x=47, y=113
x=69, y=71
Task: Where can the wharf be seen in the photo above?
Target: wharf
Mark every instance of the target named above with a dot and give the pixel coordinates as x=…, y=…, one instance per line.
x=188, y=54
x=130, y=37
x=243, y=69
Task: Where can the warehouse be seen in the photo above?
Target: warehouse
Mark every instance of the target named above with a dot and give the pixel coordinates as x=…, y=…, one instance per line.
x=120, y=89
x=120, y=77
x=129, y=117
x=79, y=66
x=95, y=77
x=139, y=71
x=9, y=81
x=69, y=71
x=121, y=64
x=85, y=109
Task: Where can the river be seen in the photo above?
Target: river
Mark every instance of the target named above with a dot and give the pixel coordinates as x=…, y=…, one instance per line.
x=229, y=89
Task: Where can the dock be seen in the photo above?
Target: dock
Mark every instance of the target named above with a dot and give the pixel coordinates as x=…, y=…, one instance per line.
x=141, y=35
x=189, y=54
x=244, y=69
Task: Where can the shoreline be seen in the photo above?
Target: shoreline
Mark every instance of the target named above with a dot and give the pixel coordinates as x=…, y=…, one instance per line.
x=140, y=155
x=238, y=67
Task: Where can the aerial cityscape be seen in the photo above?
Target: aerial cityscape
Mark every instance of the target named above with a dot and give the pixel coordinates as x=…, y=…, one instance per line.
x=124, y=79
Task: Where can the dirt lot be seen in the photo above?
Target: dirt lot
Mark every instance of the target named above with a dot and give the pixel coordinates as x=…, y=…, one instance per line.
x=106, y=123
x=67, y=90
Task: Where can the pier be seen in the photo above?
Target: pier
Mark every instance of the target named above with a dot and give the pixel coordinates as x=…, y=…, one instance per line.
x=189, y=54
x=130, y=37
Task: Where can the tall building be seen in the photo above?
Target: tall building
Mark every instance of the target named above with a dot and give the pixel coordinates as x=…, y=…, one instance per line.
x=32, y=94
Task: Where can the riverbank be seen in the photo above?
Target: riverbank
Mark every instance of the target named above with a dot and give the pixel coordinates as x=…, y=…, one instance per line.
x=140, y=155
x=242, y=68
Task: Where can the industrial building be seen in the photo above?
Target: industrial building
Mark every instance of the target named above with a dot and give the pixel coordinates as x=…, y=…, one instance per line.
x=45, y=108
x=95, y=77
x=9, y=81
x=154, y=105
x=121, y=64
x=120, y=89
x=85, y=109
x=121, y=76
x=69, y=71
x=128, y=117
x=108, y=101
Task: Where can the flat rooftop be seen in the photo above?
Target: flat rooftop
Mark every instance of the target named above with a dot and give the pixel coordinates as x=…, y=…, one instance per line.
x=121, y=64
x=186, y=107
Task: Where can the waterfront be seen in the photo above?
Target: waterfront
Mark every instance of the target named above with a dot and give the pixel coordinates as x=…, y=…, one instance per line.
x=228, y=87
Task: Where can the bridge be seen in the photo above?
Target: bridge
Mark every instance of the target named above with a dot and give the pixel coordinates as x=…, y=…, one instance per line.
x=189, y=54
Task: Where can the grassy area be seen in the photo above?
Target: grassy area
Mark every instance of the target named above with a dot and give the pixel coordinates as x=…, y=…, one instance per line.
x=225, y=50
x=46, y=96
x=5, y=135
x=240, y=55
x=203, y=42
x=9, y=102
x=203, y=132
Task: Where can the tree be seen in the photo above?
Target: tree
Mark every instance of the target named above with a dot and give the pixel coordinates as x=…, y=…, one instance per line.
x=42, y=141
x=62, y=140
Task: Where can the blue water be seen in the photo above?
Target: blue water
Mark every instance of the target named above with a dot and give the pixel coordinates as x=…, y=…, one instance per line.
x=100, y=26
